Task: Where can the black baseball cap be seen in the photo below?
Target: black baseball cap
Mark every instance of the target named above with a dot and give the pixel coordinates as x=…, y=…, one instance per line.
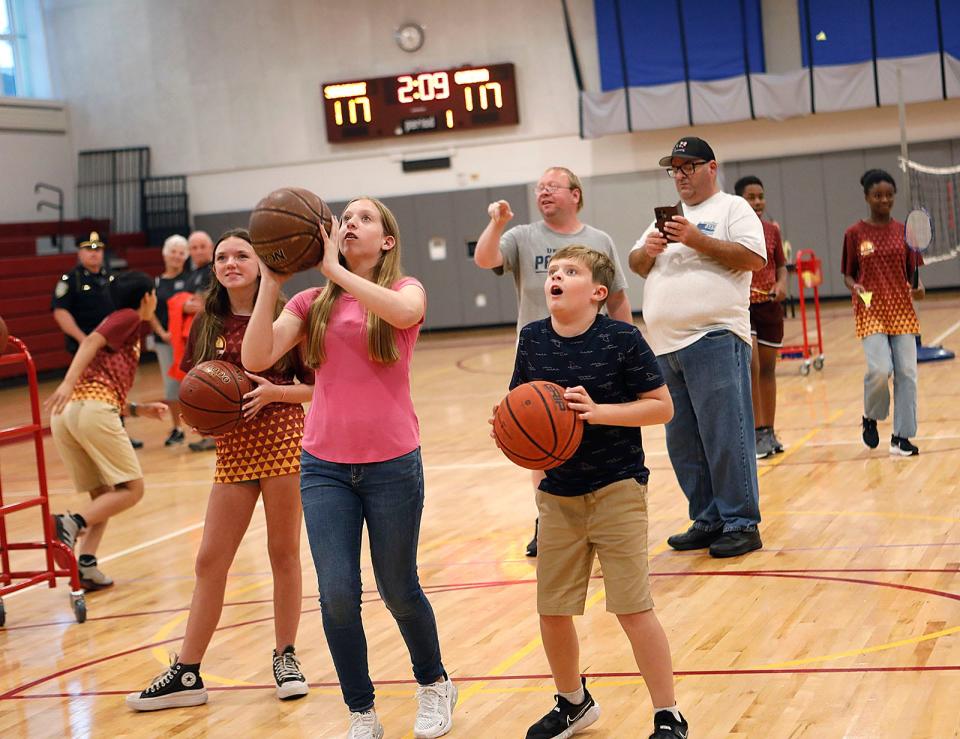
x=689, y=147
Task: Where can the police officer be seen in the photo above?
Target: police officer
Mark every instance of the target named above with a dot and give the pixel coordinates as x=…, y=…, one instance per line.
x=81, y=298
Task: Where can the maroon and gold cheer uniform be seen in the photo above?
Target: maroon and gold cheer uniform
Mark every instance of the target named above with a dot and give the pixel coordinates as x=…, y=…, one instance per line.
x=267, y=445
x=878, y=258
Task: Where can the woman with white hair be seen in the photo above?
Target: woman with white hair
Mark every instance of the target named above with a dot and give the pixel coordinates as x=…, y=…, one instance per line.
x=170, y=282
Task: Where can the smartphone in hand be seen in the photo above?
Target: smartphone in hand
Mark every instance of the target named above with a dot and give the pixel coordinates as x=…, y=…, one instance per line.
x=664, y=213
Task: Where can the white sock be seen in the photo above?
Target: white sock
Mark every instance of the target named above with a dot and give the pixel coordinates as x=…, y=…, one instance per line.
x=673, y=709
x=576, y=697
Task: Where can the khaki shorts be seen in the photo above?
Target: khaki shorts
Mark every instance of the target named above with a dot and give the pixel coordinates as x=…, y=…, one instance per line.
x=93, y=445
x=611, y=522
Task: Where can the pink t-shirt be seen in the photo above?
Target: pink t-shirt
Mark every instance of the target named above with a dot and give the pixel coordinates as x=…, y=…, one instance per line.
x=361, y=410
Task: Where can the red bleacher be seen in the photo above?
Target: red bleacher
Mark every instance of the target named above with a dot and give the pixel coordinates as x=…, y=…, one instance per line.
x=27, y=282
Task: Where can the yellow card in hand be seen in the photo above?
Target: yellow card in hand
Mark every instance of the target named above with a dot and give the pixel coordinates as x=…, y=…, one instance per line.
x=866, y=296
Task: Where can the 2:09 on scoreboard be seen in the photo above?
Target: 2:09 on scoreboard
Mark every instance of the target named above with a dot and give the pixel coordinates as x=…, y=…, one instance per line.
x=421, y=102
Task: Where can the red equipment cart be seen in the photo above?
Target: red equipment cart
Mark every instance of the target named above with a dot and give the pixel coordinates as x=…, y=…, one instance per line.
x=809, y=277
x=60, y=561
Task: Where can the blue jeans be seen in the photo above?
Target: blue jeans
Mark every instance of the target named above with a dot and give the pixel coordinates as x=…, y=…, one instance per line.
x=711, y=439
x=891, y=355
x=337, y=499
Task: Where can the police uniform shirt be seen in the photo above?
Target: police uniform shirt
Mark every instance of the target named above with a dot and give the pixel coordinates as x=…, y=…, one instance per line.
x=84, y=295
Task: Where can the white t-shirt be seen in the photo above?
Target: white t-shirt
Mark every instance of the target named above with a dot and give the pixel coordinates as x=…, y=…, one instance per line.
x=688, y=294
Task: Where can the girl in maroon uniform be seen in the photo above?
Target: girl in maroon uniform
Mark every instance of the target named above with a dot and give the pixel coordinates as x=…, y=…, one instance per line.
x=768, y=289
x=262, y=455
x=878, y=270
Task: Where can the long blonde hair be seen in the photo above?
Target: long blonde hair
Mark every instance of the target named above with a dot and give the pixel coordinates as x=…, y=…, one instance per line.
x=216, y=307
x=381, y=336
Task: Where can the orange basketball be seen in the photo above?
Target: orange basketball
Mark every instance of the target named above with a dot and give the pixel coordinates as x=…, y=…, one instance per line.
x=535, y=428
x=211, y=397
x=285, y=229
x=4, y=335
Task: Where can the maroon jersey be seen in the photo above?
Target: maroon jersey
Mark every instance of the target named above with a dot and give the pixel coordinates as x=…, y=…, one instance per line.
x=268, y=445
x=878, y=258
x=765, y=279
x=110, y=374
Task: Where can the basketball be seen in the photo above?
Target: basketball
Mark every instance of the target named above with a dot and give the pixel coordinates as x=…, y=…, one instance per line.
x=4, y=335
x=211, y=397
x=284, y=229
x=535, y=428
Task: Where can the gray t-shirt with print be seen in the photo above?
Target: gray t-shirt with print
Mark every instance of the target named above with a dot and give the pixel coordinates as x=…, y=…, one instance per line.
x=526, y=252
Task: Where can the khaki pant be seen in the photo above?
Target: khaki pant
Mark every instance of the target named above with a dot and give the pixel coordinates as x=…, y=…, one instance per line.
x=94, y=445
x=611, y=522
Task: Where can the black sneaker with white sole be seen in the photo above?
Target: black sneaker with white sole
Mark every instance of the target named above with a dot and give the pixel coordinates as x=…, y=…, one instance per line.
x=178, y=686
x=900, y=446
x=291, y=684
x=666, y=726
x=566, y=719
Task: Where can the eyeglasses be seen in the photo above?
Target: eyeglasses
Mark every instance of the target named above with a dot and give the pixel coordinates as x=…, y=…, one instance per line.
x=687, y=169
x=550, y=189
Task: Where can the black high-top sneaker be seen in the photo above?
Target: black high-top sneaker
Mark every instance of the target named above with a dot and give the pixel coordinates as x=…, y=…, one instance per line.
x=178, y=686
x=291, y=684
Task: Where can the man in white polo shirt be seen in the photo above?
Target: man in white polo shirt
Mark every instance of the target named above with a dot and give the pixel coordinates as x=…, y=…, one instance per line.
x=696, y=308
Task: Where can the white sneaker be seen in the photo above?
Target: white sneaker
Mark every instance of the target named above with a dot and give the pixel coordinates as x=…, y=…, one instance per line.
x=365, y=725
x=435, y=714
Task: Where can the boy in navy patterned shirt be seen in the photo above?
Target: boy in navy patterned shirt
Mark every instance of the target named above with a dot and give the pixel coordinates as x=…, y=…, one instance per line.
x=596, y=502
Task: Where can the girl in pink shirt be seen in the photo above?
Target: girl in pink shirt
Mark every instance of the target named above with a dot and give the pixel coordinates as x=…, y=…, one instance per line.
x=361, y=450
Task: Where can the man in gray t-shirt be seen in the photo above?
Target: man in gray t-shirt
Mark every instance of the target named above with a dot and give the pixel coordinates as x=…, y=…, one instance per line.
x=525, y=251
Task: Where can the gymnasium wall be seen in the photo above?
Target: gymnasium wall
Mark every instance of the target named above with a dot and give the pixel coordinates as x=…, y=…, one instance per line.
x=34, y=147
x=227, y=91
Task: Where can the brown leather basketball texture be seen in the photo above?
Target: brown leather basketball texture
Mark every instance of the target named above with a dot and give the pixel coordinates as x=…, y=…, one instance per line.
x=535, y=428
x=284, y=229
x=211, y=397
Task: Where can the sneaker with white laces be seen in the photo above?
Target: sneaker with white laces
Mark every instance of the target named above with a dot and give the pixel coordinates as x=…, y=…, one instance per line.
x=66, y=528
x=177, y=687
x=91, y=578
x=365, y=725
x=291, y=684
x=435, y=714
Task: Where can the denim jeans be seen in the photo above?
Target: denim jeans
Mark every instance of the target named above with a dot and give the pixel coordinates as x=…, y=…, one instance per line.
x=337, y=499
x=897, y=355
x=711, y=439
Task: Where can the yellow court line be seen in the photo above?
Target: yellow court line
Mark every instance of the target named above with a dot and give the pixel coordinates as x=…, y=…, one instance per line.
x=161, y=655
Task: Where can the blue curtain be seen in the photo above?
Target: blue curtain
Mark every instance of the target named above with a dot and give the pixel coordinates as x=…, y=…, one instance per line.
x=648, y=41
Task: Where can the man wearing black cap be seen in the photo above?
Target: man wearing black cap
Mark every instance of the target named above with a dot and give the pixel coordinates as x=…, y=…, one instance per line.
x=81, y=298
x=696, y=308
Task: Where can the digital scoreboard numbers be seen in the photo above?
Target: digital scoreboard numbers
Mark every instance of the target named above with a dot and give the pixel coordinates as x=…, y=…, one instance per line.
x=422, y=102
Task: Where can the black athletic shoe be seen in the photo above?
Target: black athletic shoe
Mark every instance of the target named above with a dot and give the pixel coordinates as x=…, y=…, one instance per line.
x=735, y=543
x=694, y=538
x=870, y=436
x=291, y=684
x=136, y=443
x=176, y=437
x=665, y=726
x=532, y=546
x=177, y=687
x=206, y=444
x=566, y=719
x=901, y=446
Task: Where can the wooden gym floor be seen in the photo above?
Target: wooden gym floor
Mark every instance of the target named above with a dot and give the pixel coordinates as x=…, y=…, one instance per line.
x=846, y=624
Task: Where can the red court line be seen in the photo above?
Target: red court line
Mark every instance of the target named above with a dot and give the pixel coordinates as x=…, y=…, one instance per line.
x=545, y=676
x=802, y=575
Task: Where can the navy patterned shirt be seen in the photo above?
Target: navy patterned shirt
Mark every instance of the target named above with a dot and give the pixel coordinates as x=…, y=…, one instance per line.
x=612, y=361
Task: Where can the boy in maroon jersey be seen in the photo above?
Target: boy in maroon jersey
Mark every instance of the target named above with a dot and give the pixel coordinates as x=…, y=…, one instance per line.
x=85, y=412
